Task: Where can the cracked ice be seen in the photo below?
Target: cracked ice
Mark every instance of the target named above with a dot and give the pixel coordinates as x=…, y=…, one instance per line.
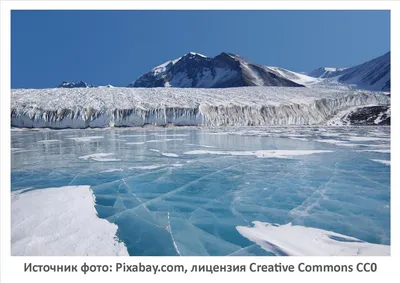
x=216, y=191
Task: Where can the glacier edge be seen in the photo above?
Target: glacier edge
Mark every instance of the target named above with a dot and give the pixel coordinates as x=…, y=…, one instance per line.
x=120, y=107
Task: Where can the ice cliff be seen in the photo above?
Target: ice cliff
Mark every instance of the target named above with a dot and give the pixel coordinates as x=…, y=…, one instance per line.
x=119, y=107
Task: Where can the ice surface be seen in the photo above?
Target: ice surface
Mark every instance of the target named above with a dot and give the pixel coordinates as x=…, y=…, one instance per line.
x=259, y=153
x=304, y=241
x=368, y=139
x=377, y=150
x=166, y=202
x=60, y=221
x=244, y=106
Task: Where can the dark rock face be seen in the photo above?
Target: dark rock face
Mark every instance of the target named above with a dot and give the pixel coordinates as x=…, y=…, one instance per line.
x=371, y=115
x=80, y=84
x=197, y=71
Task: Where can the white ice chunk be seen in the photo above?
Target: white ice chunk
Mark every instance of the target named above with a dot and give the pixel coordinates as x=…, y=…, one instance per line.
x=168, y=154
x=148, y=167
x=306, y=241
x=95, y=155
x=330, y=141
x=86, y=139
x=386, y=162
x=61, y=221
x=113, y=170
x=177, y=165
x=99, y=157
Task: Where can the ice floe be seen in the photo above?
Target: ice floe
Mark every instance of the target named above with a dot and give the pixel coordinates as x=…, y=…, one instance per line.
x=61, y=221
x=86, y=139
x=147, y=167
x=385, y=162
x=296, y=240
x=99, y=157
x=113, y=170
x=166, y=154
x=330, y=141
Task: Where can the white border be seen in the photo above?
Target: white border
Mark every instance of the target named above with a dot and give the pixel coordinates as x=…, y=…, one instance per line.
x=12, y=267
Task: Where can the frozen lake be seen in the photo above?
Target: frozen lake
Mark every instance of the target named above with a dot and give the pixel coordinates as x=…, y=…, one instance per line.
x=196, y=191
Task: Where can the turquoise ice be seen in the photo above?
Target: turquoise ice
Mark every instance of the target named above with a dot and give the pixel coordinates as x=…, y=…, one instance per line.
x=184, y=191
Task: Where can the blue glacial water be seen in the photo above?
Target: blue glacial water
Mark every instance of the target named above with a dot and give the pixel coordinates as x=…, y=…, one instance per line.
x=166, y=200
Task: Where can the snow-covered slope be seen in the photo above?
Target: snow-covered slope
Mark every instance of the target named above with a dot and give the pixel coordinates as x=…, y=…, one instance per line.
x=325, y=72
x=372, y=75
x=296, y=77
x=103, y=107
x=195, y=70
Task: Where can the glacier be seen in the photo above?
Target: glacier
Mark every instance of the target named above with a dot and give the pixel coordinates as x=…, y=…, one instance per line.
x=125, y=107
x=199, y=191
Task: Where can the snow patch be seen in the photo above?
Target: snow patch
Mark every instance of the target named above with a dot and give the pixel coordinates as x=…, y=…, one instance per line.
x=86, y=139
x=148, y=167
x=296, y=240
x=330, y=141
x=112, y=170
x=61, y=222
x=385, y=162
x=99, y=157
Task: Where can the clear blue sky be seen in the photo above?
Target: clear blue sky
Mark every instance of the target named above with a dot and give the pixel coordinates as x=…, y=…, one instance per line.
x=116, y=47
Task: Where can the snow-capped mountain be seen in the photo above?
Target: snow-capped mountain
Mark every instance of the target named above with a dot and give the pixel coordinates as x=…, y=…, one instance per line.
x=372, y=75
x=195, y=70
x=80, y=84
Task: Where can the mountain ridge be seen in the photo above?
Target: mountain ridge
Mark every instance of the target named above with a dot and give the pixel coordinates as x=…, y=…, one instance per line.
x=227, y=70
x=371, y=75
x=199, y=71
